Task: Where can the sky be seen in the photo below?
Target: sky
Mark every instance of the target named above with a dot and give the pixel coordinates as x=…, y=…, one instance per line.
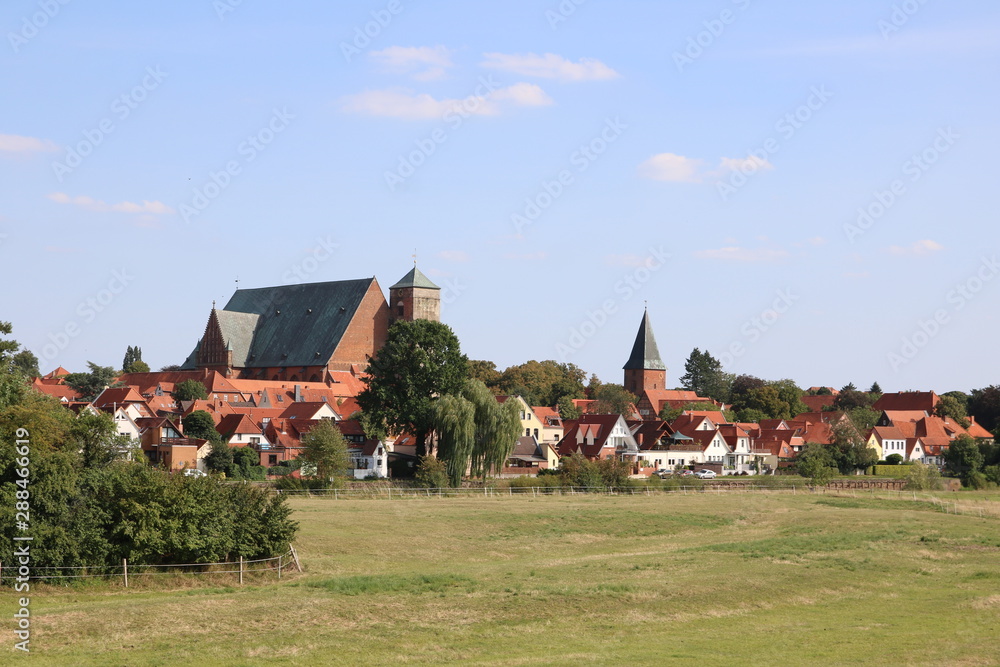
x=806, y=190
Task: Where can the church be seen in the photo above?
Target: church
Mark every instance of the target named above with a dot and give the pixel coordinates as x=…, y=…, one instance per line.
x=305, y=332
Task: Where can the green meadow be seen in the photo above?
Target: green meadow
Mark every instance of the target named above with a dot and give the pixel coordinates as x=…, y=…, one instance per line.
x=720, y=579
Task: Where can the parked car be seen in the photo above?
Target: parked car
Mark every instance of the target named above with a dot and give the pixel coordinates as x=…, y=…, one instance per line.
x=705, y=474
x=664, y=472
x=686, y=473
x=194, y=472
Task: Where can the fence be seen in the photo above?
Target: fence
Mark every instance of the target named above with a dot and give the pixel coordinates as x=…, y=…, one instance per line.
x=401, y=493
x=125, y=571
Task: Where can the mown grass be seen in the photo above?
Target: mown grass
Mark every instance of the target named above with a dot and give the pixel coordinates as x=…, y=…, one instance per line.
x=698, y=579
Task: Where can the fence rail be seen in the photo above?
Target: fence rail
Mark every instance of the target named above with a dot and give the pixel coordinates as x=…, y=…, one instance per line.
x=127, y=570
x=402, y=493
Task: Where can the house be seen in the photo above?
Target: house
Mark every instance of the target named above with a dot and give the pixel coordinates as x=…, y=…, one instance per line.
x=531, y=425
x=309, y=412
x=552, y=425
x=599, y=437
x=369, y=456
x=921, y=401
x=111, y=398
x=239, y=430
x=887, y=440
x=651, y=437
x=163, y=444
x=530, y=456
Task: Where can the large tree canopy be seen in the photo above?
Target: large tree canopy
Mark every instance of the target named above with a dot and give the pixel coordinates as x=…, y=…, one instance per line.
x=90, y=384
x=544, y=382
x=703, y=375
x=420, y=360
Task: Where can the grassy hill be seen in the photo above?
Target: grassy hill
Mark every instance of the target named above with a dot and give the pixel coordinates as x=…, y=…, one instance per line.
x=698, y=579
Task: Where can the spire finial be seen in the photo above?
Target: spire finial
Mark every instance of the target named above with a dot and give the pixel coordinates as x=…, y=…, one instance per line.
x=213, y=304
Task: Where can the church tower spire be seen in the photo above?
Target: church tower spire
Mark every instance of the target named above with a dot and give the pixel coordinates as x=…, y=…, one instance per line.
x=415, y=297
x=645, y=369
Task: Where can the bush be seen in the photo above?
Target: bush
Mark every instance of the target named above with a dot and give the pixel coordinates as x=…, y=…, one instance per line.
x=889, y=470
x=432, y=473
x=922, y=477
x=893, y=459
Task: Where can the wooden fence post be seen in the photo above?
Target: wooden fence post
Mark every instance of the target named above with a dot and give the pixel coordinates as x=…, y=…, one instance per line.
x=125, y=569
x=241, y=570
x=279, y=565
x=295, y=557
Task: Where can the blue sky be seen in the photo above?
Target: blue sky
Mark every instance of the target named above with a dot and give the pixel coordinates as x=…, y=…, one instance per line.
x=807, y=190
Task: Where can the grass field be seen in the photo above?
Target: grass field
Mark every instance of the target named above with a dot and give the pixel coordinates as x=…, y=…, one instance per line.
x=698, y=579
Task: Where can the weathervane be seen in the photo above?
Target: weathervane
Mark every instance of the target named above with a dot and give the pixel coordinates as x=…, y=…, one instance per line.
x=414, y=257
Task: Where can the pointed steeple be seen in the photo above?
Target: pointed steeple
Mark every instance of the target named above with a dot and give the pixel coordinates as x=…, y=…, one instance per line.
x=415, y=278
x=645, y=355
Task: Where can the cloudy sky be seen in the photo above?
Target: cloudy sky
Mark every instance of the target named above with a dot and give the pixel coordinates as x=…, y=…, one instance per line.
x=807, y=190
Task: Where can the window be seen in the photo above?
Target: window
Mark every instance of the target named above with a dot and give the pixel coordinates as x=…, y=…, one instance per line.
x=536, y=432
x=272, y=460
x=527, y=431
x=254, y=441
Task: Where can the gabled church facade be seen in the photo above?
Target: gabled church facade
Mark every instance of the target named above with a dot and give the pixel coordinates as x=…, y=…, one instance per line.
x=303, y=332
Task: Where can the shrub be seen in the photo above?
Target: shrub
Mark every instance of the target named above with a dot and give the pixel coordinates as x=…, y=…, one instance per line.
x=922, y=477
x=889, y=470
x=432, y=473
x=893, y=459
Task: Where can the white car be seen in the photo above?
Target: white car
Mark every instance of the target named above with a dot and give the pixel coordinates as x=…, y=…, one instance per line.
x=194, y=472
x=705, y=474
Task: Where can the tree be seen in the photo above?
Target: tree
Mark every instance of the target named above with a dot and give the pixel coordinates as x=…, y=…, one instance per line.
x=742, y=384
x=89, y=385
x=750, y=416
x=984, y=405
x=497, y=428
x=431, y=473
x=850, y=451
x=613, y=399
x=875, y=389
x=894, y=459
x=325, y=448
x=26, y=363
x=703, y=375
x=220, y=459
x=486, y=372
x=419, y=361
x=544, y=382
x=454, y=421
x=13, y=388
x=189, y=390
x=170, y=368
x=852, y=399
x=848, y=387
x=864, y=419
x=816, y=462
x=964, y=458
x=567, y=409
x=791, y=394
x=949, y=406
x=133, y=363
x=593, y=386
x=97, y=439
x=200, y=424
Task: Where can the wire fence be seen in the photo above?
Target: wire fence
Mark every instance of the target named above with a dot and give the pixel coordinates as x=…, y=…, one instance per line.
x=242, y=568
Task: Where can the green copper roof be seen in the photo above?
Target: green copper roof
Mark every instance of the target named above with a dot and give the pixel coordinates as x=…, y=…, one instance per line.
x=415, y=279
x=645, y=355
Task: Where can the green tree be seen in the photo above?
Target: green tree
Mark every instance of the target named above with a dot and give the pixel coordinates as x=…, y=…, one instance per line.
x=13, y=387
x=487, y=373
x=432, y=473
x=964, y=458
x=894, y=459
x=984, y=405
x=325, y=449
x=849, y=449
x=920, y=477
x=133, y=363
x=750, y=416
x=816, y=462
x=864, y=419
x=791, y=394
x=703, y=375
x=742, y=385
x=852, y=399
x=497, y=428
x=246, y=463
x=950, y=406
x=613, y=399
x=26, y=363
x=419, y=361
x=454, y=421
x=544, y=382
x=90, y=384
x=97, y=439
x=189, y=390
x=875, y=389
x=200, y=424
x=567, y=410
x=220, y=459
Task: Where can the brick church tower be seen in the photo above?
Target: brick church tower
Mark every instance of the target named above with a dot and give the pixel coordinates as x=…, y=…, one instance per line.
x=414, y=297
x=644, y=369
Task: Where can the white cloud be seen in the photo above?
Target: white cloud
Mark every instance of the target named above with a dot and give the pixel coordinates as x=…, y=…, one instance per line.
x=98, y=206
x=919, y=248
x=423, y=63
x=403, y=103
x=528, y=257
x=549, y=66
x=679, y=169
x=12, y=143
x=672, y=168
x=629, y=261
x=454, y=255
x=738, y=254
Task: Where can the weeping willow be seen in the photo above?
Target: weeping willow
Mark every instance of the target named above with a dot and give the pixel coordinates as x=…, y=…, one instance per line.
x=454, y=421
x=475, y=432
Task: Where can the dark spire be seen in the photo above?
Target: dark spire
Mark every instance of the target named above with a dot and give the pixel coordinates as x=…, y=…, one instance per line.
x=645, y=355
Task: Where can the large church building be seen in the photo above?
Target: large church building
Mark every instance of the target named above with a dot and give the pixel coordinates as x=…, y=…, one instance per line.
x=303, y=332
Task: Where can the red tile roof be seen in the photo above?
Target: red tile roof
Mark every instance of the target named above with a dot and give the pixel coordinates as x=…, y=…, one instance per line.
x=908, y=400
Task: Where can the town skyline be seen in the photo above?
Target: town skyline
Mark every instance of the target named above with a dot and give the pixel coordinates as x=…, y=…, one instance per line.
x=804, y=192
